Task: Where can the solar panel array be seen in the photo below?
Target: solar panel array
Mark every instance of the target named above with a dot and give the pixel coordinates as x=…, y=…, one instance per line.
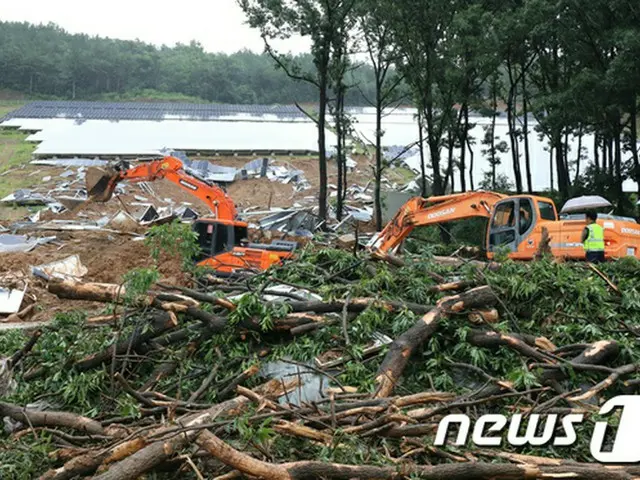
x=148, y=110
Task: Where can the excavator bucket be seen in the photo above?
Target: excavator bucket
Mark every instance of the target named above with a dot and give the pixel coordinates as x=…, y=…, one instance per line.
x=99, y=183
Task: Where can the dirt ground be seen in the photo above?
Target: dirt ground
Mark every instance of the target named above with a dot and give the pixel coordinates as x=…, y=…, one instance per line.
x=108, y=256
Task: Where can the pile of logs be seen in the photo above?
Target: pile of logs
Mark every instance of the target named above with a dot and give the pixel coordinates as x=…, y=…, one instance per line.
x=179, y=432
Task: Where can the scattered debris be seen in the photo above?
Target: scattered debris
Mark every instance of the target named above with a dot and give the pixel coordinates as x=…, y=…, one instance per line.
x=21, y=243
x=10, y=300
x=123, y=221
x=70, y=267
x=346, y=241
x=27, y=197
x=300, y=222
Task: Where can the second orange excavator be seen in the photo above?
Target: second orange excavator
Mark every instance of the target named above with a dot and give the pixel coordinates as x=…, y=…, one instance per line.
x=222, y=237
x=516, y=224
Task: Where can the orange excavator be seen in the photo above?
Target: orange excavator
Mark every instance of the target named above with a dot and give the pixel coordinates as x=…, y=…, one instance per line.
x=516, y=225
x=222, y=236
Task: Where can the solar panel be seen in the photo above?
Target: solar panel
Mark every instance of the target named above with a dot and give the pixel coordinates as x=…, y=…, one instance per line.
x=149, y=110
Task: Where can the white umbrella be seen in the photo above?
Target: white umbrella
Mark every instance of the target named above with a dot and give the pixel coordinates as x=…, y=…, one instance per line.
x=586, y=202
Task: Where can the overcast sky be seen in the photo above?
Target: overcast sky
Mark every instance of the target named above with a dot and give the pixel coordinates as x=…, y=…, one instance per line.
x=217, y=24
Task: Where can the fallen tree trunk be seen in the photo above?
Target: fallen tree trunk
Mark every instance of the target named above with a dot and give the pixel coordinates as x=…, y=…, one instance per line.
x=404, y=346
x=357, y=305
x=35, y=418
x=458, y=471
x=94, y=292
x=161, y=450
x=112, y=293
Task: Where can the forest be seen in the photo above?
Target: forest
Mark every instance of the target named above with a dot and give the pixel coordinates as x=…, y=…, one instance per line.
x=575, y=70
x=45, y=61
x=554, y=69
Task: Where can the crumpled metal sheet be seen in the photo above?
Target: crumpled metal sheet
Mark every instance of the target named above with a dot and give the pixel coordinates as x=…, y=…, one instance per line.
x=209, y=171
x=10, y=300
x=27, y=197
x=21, y=243
x=297, y=220
x=70, y=267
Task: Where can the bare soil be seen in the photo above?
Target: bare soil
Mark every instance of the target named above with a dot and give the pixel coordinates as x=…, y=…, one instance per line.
x=109, y=256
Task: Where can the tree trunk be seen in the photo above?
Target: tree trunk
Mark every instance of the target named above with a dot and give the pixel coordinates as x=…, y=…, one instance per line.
x=378, y=171
x=563, y=186
x=471, y=182
x=450, y=170
x=596, y=162
x=604, y=154
x=551, y=167
x=421, y=146
x=463, y=147
x=322, y=150
x=633, y=140
x=494, y=107
x=406, y=344
x=36, y=418
x=579, y=156
x=525, y=133
x=610, y=155
x=339, y=156
x=618, y=165
x=511, y=119
x=566, y=156
x=433, y=140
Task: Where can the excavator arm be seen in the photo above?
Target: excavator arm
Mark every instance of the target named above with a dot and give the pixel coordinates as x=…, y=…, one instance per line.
x=419, y=212
x=101, y=183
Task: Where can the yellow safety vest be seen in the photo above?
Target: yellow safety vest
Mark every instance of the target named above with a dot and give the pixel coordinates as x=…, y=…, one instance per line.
x=595, y=239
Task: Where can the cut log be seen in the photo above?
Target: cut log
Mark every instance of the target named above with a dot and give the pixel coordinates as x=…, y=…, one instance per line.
x=37, y=418
x=94, y=292
x=404, y=346
x=112, y=293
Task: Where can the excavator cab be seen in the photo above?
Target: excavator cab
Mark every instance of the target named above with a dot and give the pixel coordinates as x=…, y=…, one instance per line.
x=514, y=219
x=217, y=236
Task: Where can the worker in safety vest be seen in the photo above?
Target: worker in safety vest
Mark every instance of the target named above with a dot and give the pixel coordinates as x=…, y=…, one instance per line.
x=593, y=239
